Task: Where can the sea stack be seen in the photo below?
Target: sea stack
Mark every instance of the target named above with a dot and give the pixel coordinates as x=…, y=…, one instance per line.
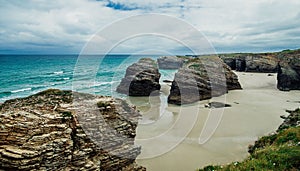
x=202, y=78
x=141, y=79
x=47, y=131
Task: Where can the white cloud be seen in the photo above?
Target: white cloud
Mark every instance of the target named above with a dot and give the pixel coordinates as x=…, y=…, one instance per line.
x=65, y=26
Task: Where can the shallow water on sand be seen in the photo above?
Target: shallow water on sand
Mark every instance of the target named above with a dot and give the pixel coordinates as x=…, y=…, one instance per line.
x=169, y=134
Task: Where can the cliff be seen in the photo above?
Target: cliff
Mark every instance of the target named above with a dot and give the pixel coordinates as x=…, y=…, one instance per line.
x=261, y=62
x=47, y=131
x=141, y=79
x=289, y=70
x=285, y=63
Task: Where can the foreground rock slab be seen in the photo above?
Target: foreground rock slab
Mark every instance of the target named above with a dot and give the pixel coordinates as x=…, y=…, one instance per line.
x=202, y=78
x=141, y=79
x=47, y=131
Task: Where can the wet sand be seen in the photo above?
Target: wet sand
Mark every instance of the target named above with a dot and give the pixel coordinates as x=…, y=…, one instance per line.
x=169, y=135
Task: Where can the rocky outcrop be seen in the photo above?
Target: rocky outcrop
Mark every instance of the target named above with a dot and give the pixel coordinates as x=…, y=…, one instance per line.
x=202, y=78
x=141, y=79
x=292, y=120
x=47, y=131
x=169, y=62
x=264, y=62
x=288, y=77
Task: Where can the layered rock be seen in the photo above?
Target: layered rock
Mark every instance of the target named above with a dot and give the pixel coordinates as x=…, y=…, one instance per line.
x=288, y=77
x=141, y=79
x=47, y=131
x=169, y=62
x=264, y=62
x=202, y=78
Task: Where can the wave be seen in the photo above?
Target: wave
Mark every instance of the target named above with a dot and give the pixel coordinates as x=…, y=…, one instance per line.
x=99, y=84
x=58, y=72
x=21, y=90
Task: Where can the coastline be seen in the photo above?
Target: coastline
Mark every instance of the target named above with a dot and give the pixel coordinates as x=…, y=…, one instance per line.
x=255, y=112
x=260, y=105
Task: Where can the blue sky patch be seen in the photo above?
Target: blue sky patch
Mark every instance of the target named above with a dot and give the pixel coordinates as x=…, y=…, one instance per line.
x=119, y=6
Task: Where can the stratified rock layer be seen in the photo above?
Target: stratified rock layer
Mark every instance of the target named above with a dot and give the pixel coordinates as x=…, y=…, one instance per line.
x=289, y=71
x=263, y=62
x=47, y=131
x=141, y=79
x=169, y=62
x=202, y=78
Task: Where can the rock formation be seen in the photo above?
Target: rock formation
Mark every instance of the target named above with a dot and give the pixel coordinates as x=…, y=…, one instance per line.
x=46, y=131
x=202, y=78
x=264, y=62
x=169, y=62
x=292, y=120
x=288, y=76
x=141, y=79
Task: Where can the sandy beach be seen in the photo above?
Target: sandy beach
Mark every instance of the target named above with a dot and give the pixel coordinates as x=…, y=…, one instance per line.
x=169, y=135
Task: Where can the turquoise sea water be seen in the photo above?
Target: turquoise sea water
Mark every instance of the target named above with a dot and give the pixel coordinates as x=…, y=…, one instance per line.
x=23, y=75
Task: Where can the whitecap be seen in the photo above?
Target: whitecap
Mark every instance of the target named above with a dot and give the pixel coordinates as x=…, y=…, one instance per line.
x=98, y=84
x=58, y=72
x=21, y=90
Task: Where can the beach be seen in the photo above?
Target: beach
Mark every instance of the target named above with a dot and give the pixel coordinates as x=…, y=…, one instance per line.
x=255, y=112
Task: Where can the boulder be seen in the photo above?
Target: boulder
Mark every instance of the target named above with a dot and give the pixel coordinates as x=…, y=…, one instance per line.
x=169, y=62
x=47, y=131
x=217, y=105
x=202, y=78
x=288, y=77
x=141, y=79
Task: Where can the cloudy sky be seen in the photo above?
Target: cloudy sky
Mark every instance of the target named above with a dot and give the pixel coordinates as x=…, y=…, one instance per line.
x=65, y=26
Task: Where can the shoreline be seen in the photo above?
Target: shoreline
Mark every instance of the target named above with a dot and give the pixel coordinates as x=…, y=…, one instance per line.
x=248, y=119
x=241, y=124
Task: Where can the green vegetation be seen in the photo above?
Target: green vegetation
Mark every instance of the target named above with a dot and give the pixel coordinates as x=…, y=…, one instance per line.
x=280, y=151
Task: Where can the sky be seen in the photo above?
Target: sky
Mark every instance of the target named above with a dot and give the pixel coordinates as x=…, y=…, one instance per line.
x=66, y=26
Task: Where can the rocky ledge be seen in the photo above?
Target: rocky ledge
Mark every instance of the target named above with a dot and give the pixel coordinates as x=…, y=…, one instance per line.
x=202, y=78
x=288, y=76
x=141, y=79
x=169, y=62
x=47, y=131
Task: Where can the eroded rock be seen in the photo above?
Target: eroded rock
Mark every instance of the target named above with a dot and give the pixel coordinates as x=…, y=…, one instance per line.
x=202, y=78
x=141, y=79
x=288, y=77
x=47, y=131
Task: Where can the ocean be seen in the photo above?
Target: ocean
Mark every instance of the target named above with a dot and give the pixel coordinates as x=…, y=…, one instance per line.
x=23, y=75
